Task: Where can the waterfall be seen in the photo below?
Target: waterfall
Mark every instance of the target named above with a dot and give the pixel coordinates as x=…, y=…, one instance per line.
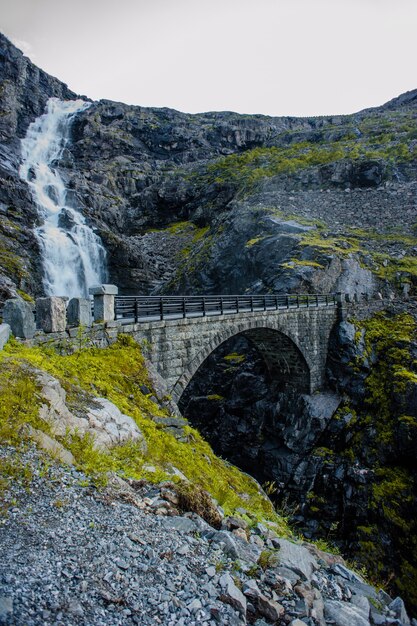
x=72, y=254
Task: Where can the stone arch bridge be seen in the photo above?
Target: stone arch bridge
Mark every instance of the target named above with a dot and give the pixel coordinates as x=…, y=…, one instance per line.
x=290, y=332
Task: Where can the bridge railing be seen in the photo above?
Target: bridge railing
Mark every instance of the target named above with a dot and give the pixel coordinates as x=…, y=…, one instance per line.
x=150, y=308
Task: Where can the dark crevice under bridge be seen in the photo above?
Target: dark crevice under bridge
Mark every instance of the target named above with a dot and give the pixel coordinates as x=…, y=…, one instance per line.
x=291, y=332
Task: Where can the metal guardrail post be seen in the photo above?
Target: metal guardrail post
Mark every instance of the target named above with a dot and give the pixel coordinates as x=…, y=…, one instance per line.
x=136, y=310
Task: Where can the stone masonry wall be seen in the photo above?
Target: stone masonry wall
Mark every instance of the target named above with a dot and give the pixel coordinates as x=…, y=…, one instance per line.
x=178, y=347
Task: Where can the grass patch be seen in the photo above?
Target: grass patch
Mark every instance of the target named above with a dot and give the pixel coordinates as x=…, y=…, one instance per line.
x=294, y=263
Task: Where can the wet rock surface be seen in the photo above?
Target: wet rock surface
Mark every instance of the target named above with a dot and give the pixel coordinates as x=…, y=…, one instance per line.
x=72, y=554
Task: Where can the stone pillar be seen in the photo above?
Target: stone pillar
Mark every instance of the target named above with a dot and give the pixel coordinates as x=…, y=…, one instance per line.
x=51, y=314
x=341, y=299
x=18, y=314
x=103, y=302
x=5, y=332
x=79, y=312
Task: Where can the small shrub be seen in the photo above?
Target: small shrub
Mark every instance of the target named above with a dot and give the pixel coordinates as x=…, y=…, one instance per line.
x=194, y=498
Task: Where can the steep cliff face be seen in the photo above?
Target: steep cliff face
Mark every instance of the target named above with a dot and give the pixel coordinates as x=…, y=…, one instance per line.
x=282, y=199
x=24, y=91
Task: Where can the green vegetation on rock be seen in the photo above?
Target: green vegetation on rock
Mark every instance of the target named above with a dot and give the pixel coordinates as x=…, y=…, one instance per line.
x=388, y=341
x=248, y=168
x=118, y=373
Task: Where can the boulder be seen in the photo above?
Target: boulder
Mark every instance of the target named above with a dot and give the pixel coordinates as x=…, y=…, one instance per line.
x=398, y=608
x=296, y=558
x=101, y=418
x=19, y=316
x=53, y=447
x=51, y=314
x=344, y=614
x=231, y=594
x=79, y=312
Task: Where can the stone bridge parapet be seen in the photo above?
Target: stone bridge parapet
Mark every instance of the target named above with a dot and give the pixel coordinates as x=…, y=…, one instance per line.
x=293, y=341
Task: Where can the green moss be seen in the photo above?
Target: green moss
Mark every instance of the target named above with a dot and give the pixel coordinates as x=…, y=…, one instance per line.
x=327, y=546
x=234, y=359
x=25, y=296
x=392, y=493
x=117, y=373
x=393, y=269
x=408, y=420
x=366, y=530
x=215, y=397
x=389, y=337
x=13, y=471
x=12, y=264
x=323, y=452
x=19, y=408
x=294, y=263
x=388, y=344
x=247, y=168
x=342, y=246
x=19, y=404
x=253, y=241
x=268, y=558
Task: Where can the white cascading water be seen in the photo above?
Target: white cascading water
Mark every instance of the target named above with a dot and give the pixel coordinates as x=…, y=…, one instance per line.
x=72, y=254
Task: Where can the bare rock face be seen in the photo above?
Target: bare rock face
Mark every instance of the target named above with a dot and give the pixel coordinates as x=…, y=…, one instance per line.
x=101, y=418
x=52, y=446
x=133, y=170
x=25, y=91
x=297, y=558
x=5, y=332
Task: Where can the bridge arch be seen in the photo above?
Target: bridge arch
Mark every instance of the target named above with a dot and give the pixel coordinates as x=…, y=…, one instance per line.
x=293, y=342
x=284, y=357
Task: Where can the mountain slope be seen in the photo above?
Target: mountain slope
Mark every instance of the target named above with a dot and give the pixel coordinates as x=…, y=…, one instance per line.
x=131, y=170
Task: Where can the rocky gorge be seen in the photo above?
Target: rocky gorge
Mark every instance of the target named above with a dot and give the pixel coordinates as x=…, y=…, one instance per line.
x=225, y=203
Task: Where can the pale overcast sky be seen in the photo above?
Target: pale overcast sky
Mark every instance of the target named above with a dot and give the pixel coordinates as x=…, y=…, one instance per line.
x=277, y=57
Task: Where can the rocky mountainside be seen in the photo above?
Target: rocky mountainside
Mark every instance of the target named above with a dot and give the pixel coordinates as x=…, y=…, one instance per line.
x=228, y=203
x=127, y=556
x=210, y=202
x=122, y=514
